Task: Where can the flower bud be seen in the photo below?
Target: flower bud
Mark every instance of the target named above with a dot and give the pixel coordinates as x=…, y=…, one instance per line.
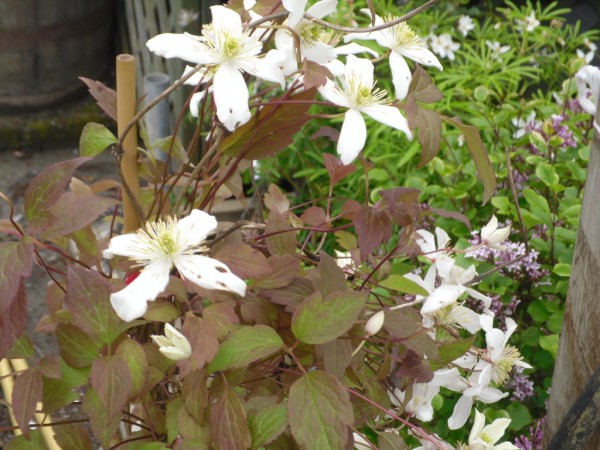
x=174, y=345
x=375, y=323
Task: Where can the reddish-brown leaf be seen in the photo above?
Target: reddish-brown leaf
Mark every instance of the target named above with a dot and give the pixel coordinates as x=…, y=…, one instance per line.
x=195, y=395
x=270, y=130
x=103, y=424
x=319, y=412
x=423, y=88
x=27, y=392
x=72, y=212
x=315, y=217
x=402, y=204
x=244, y=261
x=315, y=75
x=281, y=239
x=373, y=227
x=336, y=169
x=111, y=379
x=276, y=199
x=429, y=125
x=203, y=339
x=283, y=269
x=291, y=295
x=89, y=303
x=331, y=276
x=336, y=356
x=72, y=436
x=228, y=422
x=46, y=188
x=222, y=316
x=414, y=366
x=15, y=263
x=105, y=96
x=13, y=319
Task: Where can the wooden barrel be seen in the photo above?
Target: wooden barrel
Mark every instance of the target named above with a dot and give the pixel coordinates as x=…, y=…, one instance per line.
x=46, y=44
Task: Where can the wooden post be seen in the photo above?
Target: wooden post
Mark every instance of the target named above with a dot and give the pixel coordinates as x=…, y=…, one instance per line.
x=578, y=355
x=126, y=106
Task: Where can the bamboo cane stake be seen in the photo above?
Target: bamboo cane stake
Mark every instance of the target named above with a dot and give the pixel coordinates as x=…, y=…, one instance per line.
x=48, y=434
x=7, y=383
x=126, y=106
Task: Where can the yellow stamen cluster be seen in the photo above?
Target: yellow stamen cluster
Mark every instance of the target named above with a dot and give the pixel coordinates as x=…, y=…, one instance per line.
x=160, y=237
x=360, y=94
x=402, y=34
x=502, y=368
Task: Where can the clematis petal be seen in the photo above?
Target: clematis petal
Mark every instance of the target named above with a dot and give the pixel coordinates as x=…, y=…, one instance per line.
x=184, y=46
x=401, y=75
x=322, y=8
x=354, y=48
x=461, y=413
x=441, y=297
x=296, y=9
x=422, y=56
x=359, y=69
x=319, y=52
x=231, y=97
x=491, y=395
x=495, y=430
x=127, y=245
x=352, y=136
x=131, y=303
x=487, y=301
x=226, y=20
x=203, y=75
x=466, y=318
x=195, y=103
x=195, y=228
x=265, y=68
x=388, y=115
x=588, y=76
x=478, y=424
x=332, y=94
x=425, y=241
x=209, y=273
x=161, y=341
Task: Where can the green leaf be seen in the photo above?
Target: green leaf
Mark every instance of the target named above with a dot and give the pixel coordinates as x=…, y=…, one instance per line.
x=35, y=442
x=538, y=311
x=550, y=343
x=228, y=421
x=103, y=426
x=46, y=188
x=89, y=303
x=281, y=238
x=481, y=93
x=319, y=412
x=485, y=171
x=267, y=424
x=519, y=415
x=173, y=407
x=95, y=138
x=111, y=379
x=72, y=437
x=161, y=311
x=562, y=270
x=547, y=173
x=449, y=351
x=538, y=207
x=246, y=345
x=402, y=284
x=22, y=348
x=391, y=441
x=318, y=320
x=555, y=322
x=77, y=348
x=27, y=392
x=135, y=357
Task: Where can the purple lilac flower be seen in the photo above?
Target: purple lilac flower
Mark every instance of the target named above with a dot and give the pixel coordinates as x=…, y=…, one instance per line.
x=563, y=130
x=521, y=384
x=536, y=434
x=528, y=266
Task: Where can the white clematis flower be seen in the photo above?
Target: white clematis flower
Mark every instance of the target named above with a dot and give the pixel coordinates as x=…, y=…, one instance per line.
x=484, y=437
x=358, y=93
x=158, y=247
x=403, y=43
x=588, y=76
x=173, y=345
x=436, y=254
x=230, y=50
x=492, y=236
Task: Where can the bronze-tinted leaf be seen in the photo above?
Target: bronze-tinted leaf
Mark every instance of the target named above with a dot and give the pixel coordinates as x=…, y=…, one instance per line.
x=105, y=96
x=111, y=379
x=103, y=424
x=336, y=169
x=135, y=357
x=27, y=392
x=228, y=422
x=72, y=436
x=283, y=269
x=315, y=75
x=373, y=227
x=244, y=261
x=272, y=129
x=291, y=295
x=15, y=263
x=319, y=412
x=281, y=238
x=414, y=366
x=77, y=348
x=222, y=316
x=331, y=276
x=203, y=338
x=423, y=88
